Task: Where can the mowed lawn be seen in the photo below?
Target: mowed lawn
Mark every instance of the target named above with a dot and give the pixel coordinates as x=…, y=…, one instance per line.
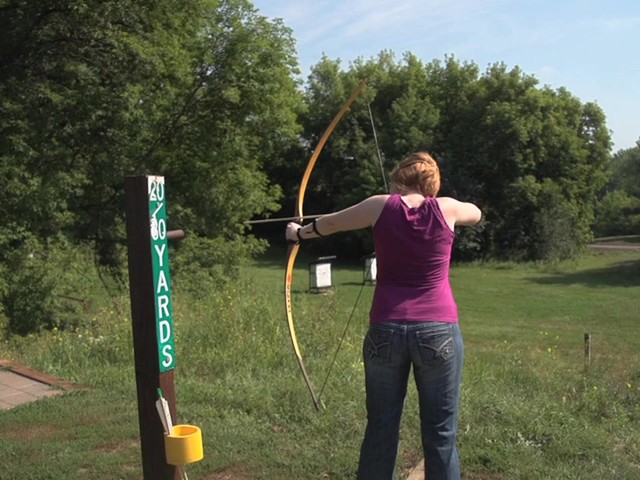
x=532, y=407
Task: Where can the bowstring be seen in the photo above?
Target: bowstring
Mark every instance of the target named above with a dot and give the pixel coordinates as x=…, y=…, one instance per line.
x=346, y=328
x=367, y=274
x=375, y=139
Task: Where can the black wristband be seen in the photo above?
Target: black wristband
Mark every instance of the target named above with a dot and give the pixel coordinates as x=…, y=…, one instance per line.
x=298, y=235
x=315, y=228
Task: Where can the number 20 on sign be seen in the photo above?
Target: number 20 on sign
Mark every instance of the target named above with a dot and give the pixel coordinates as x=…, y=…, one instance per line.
x=161, y=273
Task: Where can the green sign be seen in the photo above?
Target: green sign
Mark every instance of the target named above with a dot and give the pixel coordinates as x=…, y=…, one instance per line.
x=161, y=273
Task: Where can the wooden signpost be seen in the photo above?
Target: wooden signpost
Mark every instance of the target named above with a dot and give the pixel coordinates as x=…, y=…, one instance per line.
x=152, y=316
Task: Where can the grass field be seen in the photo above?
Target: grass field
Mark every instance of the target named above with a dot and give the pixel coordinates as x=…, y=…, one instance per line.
x=531, y=407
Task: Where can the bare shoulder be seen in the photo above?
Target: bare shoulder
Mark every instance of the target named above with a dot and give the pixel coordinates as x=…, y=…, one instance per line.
x=371, y=207
x=377, y=200
x=459, y=213
x=448, y=204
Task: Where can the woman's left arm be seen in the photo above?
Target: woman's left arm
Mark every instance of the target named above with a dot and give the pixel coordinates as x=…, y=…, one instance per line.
x=362, y=215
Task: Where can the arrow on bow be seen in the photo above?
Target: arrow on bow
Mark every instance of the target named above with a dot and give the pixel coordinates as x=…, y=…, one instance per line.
x=293, y=249
x=282, y=219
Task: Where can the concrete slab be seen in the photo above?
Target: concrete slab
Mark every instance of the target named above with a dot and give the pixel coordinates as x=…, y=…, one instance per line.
x=20, y=384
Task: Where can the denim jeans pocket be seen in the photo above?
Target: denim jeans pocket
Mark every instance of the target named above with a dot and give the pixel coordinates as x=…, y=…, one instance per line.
x=377, y=344
x=435, y=345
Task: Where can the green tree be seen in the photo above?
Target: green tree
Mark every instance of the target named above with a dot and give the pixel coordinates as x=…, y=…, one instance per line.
x=91, y=91
x=618, y=211
x=625, y=168
x=348, y=168
x=502, y=142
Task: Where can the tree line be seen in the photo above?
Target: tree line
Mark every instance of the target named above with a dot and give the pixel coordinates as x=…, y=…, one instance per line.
x=208, y=93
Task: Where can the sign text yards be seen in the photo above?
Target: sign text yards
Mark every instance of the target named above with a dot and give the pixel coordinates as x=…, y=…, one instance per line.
x=161, y=273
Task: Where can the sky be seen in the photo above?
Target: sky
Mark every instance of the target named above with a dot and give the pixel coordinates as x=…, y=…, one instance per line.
x=590, y=47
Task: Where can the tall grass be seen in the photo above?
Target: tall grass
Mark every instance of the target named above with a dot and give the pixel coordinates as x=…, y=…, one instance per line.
x=531, y=407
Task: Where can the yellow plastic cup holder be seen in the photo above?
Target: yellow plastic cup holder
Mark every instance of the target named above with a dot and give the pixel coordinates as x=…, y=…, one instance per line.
x=184, y=445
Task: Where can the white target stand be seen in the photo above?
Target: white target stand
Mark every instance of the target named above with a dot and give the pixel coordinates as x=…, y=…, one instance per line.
x=320, y=275
x=370, y=269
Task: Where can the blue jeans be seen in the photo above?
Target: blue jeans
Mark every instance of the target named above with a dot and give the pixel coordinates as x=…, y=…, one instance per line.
x=435, y=350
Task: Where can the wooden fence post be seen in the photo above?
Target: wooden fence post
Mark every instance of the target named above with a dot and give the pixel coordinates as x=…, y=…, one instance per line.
x=587, y=348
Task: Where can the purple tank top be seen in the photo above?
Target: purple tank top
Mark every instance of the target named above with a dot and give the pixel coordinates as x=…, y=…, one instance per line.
x=413, y=251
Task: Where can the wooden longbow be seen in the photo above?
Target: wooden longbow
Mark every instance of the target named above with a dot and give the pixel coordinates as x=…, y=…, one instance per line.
x=292, y=251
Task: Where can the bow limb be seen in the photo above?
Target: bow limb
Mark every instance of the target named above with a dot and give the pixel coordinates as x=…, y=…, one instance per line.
x=353, y=309
x=323, y=140
x=291, y=258
x=293, y=249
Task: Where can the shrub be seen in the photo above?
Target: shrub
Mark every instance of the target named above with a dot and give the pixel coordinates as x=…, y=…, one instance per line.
x=618, y=213
x=46, y=286
x=28, y=296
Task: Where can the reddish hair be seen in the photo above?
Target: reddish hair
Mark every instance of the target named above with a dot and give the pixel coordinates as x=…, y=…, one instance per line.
x=419, y=172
